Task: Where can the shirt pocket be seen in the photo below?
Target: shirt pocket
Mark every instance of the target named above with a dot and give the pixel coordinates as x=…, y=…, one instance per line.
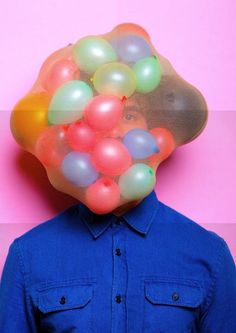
x=66, y=307
x=171, y=305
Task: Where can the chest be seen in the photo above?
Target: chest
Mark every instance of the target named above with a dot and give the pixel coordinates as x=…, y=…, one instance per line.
x=127, y=285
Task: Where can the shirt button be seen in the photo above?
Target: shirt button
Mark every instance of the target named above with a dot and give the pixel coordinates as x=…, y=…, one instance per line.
x=175, y=297
x=118, y=252
x=118, y=298
x=62, y=300
x=119, y=220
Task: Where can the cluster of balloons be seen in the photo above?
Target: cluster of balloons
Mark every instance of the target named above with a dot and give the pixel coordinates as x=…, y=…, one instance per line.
x=69, y=119
x=117, y=67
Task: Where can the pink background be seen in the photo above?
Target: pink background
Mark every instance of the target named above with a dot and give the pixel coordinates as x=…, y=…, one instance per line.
x=198, y=37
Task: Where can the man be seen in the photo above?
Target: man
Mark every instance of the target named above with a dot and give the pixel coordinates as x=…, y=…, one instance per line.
x=140, y=268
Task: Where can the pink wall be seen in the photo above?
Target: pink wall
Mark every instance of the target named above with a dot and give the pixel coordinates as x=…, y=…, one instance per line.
x=198, y=37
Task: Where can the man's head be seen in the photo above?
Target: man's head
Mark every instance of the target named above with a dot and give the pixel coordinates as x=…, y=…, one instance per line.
x=104, y=113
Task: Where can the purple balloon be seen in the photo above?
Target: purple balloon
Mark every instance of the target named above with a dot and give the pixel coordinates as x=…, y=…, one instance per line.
x=78, y=169
x=131, y=48
x=140, y=143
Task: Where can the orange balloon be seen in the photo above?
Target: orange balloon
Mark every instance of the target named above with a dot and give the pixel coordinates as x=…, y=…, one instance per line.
x=29, y=119
x=131, y=28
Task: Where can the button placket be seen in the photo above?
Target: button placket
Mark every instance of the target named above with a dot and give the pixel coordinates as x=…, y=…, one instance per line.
x=118, y=298
x=119, y=280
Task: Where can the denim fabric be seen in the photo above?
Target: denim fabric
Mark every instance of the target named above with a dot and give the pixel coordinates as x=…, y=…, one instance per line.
x=152, y=270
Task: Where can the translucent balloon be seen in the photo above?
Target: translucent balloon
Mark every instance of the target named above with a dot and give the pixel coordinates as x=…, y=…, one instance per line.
x=80, y=136
x=115, y=79
x=148, y=74
x=131, y=48
x=137, y=182
x=111, y=157
x=29, y=119
x=78, y=169
x=68, y=102
x=140, y=143
x=62, y=71
x=92, y=52
x=52, y=146
x=103, y=196
x=103, y=112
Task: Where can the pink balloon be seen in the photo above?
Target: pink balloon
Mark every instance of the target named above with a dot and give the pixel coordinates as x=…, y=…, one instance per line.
x=51, y=146
x=103, y=196
x=111, y=157
x=80, y=136
x=103, y=112
x=62, y=71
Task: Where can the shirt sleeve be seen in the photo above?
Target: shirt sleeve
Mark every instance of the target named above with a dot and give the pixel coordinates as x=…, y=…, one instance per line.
x=15, y=313
x=219, y=316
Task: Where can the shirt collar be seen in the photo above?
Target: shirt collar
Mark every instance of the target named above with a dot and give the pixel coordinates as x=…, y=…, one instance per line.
x=139, y=217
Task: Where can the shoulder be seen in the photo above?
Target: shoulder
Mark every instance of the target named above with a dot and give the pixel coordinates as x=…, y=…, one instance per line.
x=189, y=232
x=48, y=230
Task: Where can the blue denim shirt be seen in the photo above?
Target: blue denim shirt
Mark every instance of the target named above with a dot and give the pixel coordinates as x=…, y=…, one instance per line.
x=152, y=270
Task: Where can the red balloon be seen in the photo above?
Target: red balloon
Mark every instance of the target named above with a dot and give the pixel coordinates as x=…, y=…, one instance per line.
x=165, y=143
x=111, y=157
x=103, y=196
x=51, y=146
x=103, y=112
x=80, y=136
x=62, y=71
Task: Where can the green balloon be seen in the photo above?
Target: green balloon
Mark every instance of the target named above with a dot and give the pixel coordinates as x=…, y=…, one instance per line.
x=68, y=102
x=137, y=182
x=148, y=74
x=116, y=79
x=92, y=52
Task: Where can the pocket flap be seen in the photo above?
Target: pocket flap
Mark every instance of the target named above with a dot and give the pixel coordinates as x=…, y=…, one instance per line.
x=175, y=293
x=65, y=297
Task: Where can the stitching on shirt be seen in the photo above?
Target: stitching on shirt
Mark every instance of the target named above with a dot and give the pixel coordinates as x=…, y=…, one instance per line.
x=127, y=277
x=184, y=281
x=209, y=296
x=179, y=303
x=155, y=211
x=69, y=305
x=112, y=289
x=145, y=232
x=66, y=283
x=165, y=301
x=23, y=272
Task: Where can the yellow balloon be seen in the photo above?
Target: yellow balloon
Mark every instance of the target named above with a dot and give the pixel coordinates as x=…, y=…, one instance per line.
x=116, y=79
x=29, y=119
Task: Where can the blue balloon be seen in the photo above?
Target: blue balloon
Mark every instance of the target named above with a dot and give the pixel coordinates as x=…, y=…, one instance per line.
x=131, y=48
x=140, y=143
x=78, y=169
